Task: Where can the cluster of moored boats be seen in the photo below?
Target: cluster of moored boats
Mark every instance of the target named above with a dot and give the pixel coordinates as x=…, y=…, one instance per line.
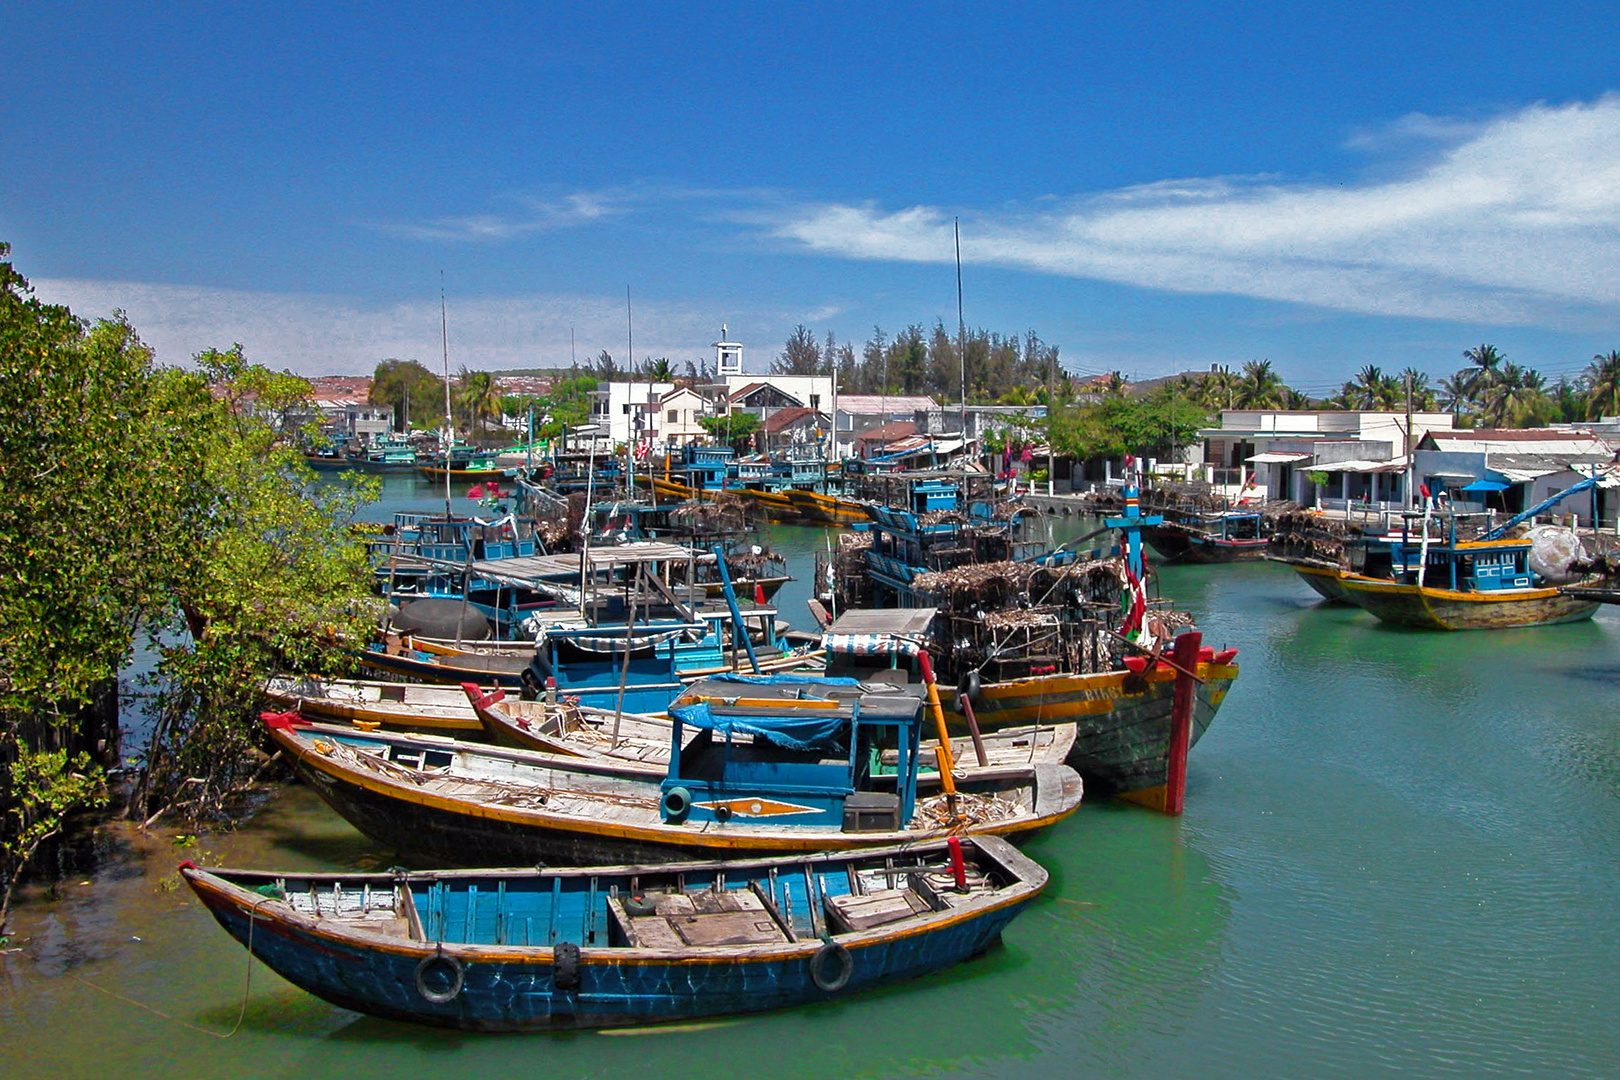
x=1435, y=568
x=717, y=814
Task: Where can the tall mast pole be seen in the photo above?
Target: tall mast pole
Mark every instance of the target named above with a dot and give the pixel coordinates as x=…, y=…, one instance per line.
x=630, y=443
x=961, y=334
x=449, y=424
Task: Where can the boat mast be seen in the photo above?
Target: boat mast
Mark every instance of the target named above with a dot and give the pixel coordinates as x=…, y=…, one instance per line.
x=961, y=335
x=630, y=443
x=449, y=424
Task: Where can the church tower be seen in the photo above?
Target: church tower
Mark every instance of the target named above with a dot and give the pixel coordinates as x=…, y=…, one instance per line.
x=728, y=356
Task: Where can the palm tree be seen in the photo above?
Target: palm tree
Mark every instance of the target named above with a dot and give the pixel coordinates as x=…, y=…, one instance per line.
x=1518, y=395
x=1455, y=395
x=1603, y=386
x=660, y=370
x=1370, y=388
x=478, y=397
x=1423, y=396
x=1217, y=390
x=1259, y=387
x=1487, y=361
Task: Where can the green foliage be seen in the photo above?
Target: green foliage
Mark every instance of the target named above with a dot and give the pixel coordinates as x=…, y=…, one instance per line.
x=270, y=577
x=1151, y=426
x=476, y=399
x=565, y=405
x=46, y=786
x=736, y=428
x=416, y=394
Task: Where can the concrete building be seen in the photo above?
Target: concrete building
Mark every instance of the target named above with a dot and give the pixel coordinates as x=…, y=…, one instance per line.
x=624, y=409
x=861, y=413
x=1512, y=470
x=1274, y=454
x=674, y=418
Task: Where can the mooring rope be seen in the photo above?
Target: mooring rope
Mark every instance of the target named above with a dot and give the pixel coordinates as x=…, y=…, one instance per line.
x=246, y=989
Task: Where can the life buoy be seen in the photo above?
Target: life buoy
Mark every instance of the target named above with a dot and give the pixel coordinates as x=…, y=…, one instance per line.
x=445, y=971
x=831, y=967
x=677, y=803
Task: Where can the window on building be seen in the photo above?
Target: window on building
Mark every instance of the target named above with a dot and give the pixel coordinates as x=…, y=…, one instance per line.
x=674, y=415
x=815, y=401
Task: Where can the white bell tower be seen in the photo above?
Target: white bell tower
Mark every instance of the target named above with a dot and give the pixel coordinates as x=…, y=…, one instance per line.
x=728, y=356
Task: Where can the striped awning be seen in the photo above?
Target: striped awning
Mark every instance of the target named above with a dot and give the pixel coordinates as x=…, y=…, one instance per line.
x=870, y=645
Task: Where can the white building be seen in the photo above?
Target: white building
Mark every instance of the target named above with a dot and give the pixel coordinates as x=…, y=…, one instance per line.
x=675, y=416
x=1364, y=454
x=624, y=409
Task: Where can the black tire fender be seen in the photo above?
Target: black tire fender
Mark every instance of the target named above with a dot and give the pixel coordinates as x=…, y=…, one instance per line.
x=565, y=965
x=440, y=967
x=831, y=967
x=968, y=686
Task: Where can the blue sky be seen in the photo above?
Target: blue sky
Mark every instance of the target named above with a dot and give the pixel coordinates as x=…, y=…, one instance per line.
x=1154, y=188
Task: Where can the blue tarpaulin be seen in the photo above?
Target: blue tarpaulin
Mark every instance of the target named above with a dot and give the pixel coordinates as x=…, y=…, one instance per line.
x=1485, y=485
x=811, y=730
x=786, y=680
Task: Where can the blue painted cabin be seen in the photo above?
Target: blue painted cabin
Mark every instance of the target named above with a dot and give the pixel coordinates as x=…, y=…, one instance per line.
x=828, y=755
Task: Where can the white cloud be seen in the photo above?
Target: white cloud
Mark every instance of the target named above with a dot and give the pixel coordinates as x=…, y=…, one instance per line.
x=1516, y=221
x=529, y=216
x=318, y=334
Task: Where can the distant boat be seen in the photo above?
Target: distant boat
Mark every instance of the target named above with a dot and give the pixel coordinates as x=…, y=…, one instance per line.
x=1217, y=536
x=603, y=947
x=1430, y=577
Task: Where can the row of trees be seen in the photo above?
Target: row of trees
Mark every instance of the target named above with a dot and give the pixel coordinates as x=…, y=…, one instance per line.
x=142, y=501
x=920, y=360
x=1489, y=391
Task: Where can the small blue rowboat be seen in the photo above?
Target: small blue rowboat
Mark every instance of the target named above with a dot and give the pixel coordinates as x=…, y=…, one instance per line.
x=567, y=948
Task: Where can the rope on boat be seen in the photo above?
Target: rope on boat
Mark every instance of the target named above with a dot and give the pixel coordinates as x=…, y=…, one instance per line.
x=247, y=988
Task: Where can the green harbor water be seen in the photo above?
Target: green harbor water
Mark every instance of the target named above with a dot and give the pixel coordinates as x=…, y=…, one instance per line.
x=1400, y=857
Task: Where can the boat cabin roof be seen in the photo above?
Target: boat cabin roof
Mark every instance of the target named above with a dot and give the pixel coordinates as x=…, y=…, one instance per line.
x=904, y=622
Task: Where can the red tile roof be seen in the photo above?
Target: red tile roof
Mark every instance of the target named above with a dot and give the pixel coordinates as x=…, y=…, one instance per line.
x=783, y=418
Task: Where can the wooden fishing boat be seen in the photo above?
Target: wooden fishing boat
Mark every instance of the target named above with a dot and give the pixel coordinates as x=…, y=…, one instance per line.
x=559, y=949
x=1430, y=575
x=564, y=728
x=570, y=729
x=1123, y=718
x=820, y=509
x=435, y=662
x=475, y=470
x=729, y=790
x=403, y=706
x=1213, y=537
x=1430, y=608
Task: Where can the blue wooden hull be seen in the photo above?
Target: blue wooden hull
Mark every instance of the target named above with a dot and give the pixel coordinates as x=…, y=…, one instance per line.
x=519, y=993
x=514, y=984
